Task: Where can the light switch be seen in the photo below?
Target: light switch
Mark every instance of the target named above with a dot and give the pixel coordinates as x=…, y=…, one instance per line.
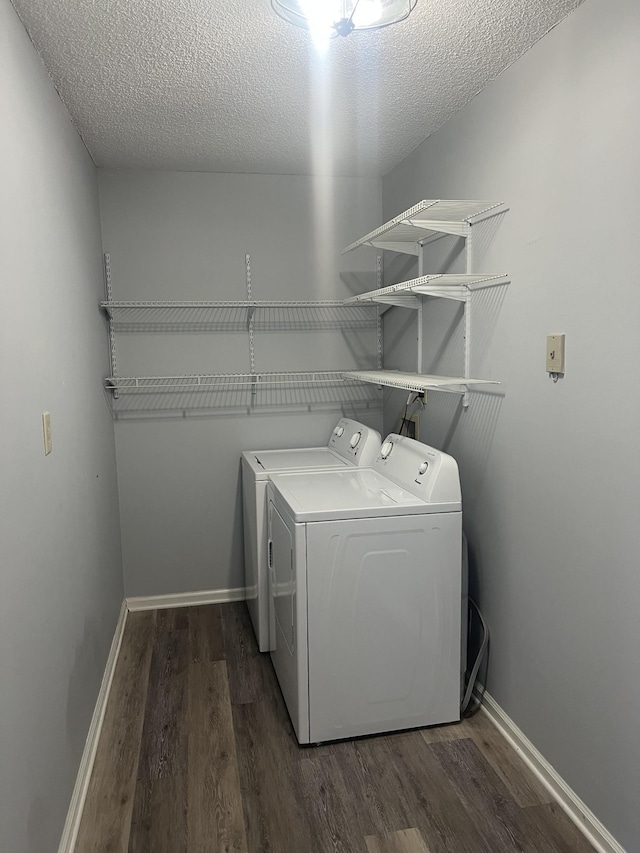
x=46, y=433
x=555, y=354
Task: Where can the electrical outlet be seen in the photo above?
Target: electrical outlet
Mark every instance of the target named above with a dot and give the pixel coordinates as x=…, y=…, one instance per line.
x=555, y=354
x=46, y=433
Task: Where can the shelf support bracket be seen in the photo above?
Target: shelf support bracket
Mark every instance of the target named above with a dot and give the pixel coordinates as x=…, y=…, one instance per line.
x=112, y=331
x=250, y=312
x=469, y=250
x=420, y=339
x=420, y=307
x=379, y=326
x=467, y=317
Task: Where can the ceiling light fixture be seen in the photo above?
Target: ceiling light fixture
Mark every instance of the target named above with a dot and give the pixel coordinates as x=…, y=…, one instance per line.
x=341, y=17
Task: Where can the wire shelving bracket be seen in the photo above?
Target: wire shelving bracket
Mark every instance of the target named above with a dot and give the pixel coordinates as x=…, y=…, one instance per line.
x=112, y=332
x=250, y=329
x=425, y=221
x=410, y=233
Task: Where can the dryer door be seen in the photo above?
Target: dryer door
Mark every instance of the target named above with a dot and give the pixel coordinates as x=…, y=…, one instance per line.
x=281, y=578
x=287, y=575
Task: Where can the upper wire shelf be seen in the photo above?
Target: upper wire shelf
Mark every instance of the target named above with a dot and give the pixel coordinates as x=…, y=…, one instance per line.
x=445, y=286
x=417, y=381
x=426, y=220
x=274, y=315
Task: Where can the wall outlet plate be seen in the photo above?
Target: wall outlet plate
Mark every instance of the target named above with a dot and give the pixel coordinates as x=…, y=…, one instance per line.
x=555, y=354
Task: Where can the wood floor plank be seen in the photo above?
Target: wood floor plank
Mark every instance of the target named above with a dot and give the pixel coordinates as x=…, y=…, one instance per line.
x=215, y=816
x=159, y=824
x=206, y=641
x=173, y=619
x=556, y=825
x=426, y=798
x=524, y=787
x=372, y=761
x=498, y=818
x=244, y=664
x=106, y=819
x=521, y=783
x=275, y=813
x=164, y=742
x=335, y=805
x=270, y=825
x=403, y=841
x=160, y=806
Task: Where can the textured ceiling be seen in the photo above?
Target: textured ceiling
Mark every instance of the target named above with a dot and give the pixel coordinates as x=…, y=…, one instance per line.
x=216, y=85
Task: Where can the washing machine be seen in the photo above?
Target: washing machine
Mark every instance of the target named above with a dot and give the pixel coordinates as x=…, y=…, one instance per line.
x=365, y=579
x=351, y=444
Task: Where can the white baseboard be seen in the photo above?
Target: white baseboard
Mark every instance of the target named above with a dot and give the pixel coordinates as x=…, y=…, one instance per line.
x=567, y=799
x=186, y=599
x=72, y=823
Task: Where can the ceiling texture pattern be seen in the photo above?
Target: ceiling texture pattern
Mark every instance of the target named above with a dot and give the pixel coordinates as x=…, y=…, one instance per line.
x=222, y=86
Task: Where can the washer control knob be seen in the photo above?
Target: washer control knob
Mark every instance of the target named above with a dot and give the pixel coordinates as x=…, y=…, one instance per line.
x=339, y=431
x=355, y=440
x=423, y=468
x=386, y=449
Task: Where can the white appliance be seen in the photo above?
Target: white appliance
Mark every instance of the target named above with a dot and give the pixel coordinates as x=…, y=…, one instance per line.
x=365, y=569
x=350, y=444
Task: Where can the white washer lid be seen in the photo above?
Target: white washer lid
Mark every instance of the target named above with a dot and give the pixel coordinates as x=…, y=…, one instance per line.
x=351, y=493
x=265, y=462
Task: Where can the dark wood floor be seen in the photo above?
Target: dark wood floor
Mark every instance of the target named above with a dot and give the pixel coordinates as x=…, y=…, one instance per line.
x=197, y=755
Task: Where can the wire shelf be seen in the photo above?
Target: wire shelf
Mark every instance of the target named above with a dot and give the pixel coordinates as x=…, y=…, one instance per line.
x=425, y=220
x=242, y=392
x=445, y=286
x=197, y=382
x=275, y=315
x=417, y=381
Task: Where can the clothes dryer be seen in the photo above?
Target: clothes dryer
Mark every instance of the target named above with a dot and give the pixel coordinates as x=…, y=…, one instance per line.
x=351, y=444
x=365, y=577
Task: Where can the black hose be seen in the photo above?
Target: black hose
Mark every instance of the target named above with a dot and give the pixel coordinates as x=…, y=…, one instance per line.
x=476, y=666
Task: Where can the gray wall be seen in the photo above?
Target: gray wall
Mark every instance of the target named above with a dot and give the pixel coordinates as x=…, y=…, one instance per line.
x=550, y=471
x=60, y=560
x=185, y=236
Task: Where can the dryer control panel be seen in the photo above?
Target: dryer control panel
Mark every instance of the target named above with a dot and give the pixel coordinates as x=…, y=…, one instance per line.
x=355, y=441
x=424, y=471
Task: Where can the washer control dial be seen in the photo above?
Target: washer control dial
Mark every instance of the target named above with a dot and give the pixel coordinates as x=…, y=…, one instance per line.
x=355, y=440
x=423, y=468
x=386, y=449
x=339, y=431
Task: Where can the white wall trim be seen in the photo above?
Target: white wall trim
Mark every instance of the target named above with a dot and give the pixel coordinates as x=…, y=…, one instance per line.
x=78, y=797
x=186, y=599
x=567, y=799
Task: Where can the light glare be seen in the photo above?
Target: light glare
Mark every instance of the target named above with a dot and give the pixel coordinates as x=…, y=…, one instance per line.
x=367, y=13
x=320, y=17
x=342, y=17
